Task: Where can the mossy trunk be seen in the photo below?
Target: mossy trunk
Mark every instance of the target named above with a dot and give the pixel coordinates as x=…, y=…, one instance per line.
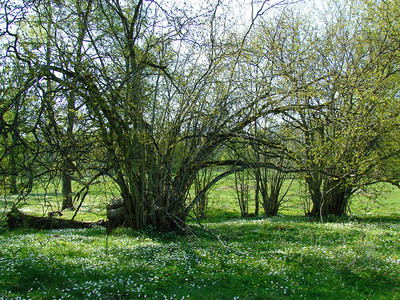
x=152, y=198
x=333, y=199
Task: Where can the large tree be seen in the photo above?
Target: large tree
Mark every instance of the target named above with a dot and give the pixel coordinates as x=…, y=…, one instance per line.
x=167, y=88
x=344, y=82
x=154, y=81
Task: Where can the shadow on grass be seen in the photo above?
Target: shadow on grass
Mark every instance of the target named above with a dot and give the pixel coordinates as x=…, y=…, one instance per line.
x=218, y=215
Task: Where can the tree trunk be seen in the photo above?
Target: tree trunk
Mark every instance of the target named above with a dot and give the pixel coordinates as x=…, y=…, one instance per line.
x=68, y=167
x=13, y=176
x=270, y=185
x=242, y=192
x=314, y=188
x=338, y=198
x=332, y=200
x=157, y=201
x=66, y=191
x=257, y=191
x=13, y=162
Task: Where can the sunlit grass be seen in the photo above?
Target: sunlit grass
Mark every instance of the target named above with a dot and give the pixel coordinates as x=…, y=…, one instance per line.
x=47, y=198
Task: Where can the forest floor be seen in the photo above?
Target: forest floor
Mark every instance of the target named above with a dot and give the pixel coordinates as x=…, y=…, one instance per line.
x=288, y=256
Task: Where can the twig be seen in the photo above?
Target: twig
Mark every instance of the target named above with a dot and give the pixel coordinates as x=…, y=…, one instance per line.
x=226, y=247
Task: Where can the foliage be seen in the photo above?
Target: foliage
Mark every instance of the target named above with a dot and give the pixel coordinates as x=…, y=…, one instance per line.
x=154, y=96
x=340, y=132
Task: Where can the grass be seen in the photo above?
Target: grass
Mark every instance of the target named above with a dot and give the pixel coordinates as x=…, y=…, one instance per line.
x=287, y=256
x=265, y=258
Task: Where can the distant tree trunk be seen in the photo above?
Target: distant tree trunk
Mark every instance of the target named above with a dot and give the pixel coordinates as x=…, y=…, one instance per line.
x=66, y=188
x=242, y=192
x=269, y=184
x=13, y=184
x=13, y=159
x=13, y=169
x=68, y=168
x=257, y=191
x=68, y=149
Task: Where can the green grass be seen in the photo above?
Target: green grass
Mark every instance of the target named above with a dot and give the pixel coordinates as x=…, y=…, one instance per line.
x=262, y=259
x=288, y=256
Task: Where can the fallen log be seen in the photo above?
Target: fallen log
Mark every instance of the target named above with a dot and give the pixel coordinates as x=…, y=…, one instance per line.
x=17, y=219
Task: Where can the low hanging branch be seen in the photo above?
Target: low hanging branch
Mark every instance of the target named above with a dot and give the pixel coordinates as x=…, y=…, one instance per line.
x=85, y=189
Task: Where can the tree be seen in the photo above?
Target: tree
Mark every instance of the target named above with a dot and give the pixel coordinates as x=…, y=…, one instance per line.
x=357, y=130
x=166, y=89
x=338, y=78
x=18, y=138
x=161, y=99
x=344, y=90
x=33, y=43
x=270, y=186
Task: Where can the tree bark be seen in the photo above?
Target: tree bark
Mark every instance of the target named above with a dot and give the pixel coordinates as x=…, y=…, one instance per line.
x=66, y=190
x=331, y=200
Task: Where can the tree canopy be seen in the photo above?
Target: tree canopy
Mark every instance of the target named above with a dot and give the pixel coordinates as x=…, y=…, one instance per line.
x=154, y=94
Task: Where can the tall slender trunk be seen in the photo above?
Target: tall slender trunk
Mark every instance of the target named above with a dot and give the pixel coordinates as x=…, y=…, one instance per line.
x=66, y=188
x=67, y=165
x=13, y=176
x=13, y=163
x=257, y=191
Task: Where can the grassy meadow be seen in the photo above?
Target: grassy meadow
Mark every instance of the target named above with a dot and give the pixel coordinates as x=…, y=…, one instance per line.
x=288, y=256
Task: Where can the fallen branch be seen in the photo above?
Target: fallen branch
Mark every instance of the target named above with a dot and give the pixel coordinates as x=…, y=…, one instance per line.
x=17, y=219
x=225, y=246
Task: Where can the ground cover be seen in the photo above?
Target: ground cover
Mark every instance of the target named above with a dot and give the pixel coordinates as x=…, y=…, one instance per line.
x=267, y=258
x=288, y=256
